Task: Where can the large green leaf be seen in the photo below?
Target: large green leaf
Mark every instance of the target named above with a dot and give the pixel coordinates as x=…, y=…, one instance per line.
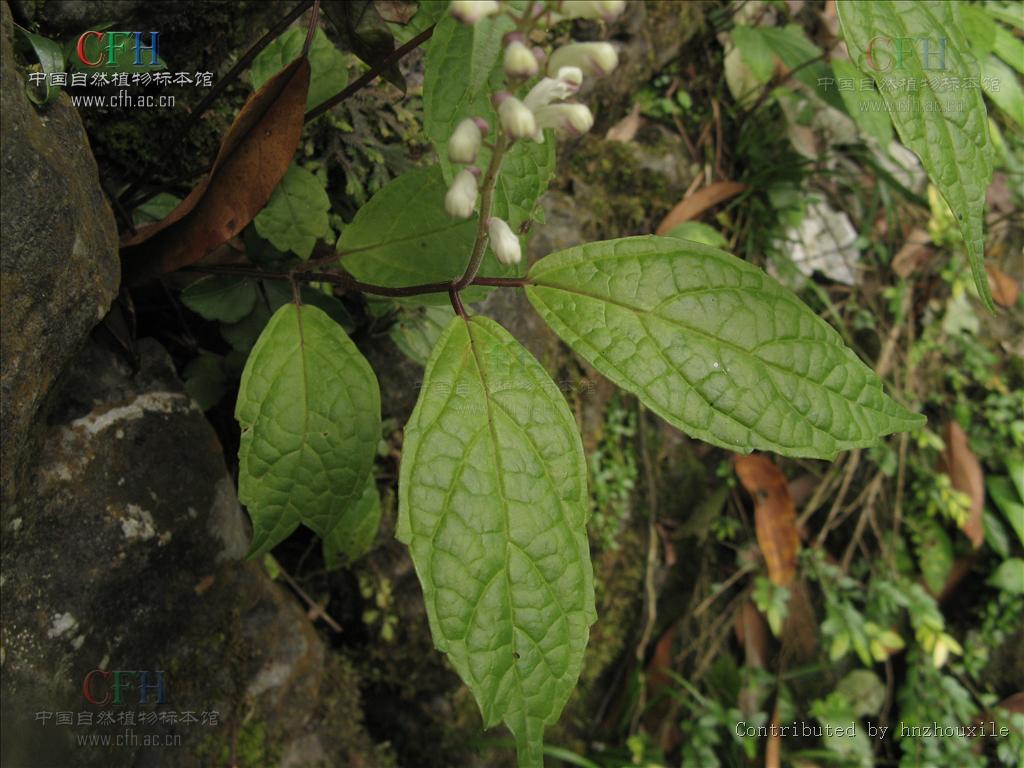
x=296, y=214
x=309, y=409
x=492, y=503
x=404, y=237
x=450, y=95
x=714, y=346
x=947, y=129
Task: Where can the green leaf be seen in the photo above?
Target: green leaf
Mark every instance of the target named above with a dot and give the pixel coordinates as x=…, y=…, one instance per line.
x=51, y=59
x=714, y=346
x=328, y=73
x=796, y=51
x=205, y=380
x=949, y=133
x=353, y=536
x=1009, y=48
x=309, y=409
x=296, y=214
x=492, y=503
x=864, y=692
x=1005, y=497
x=156, y=208
x=403, y=236
x=699, y=232
x=863, y=105
x=755, y=52
x=366, y=34
x=219, y=297
x=1003, y=87
x=934, y=554
x=417, y=330
x=449, y=96
x=1009, y=576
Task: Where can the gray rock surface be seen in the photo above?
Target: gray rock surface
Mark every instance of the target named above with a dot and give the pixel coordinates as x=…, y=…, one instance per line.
x=122, y=553
x=59, y=269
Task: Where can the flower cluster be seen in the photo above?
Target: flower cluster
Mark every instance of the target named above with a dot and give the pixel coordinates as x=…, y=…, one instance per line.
x=547, y=104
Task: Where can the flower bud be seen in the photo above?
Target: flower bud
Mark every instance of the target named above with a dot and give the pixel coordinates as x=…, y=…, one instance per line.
x=461, y=198
x=504, y=242
x=593, y=58
x=464, y=142
x=592, y=9
x=516, y=118
x=520, y=61
x=574, y=119
x=471, y=11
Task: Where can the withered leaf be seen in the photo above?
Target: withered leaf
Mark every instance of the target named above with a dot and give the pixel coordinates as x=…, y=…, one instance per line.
x=252, y=159
x=1005, y=290
x=964, y=471
x=774, y=515
x=694, y=205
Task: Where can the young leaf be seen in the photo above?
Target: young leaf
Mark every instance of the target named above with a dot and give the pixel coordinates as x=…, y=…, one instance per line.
x=252, y=159
x=714, y=346
x=952, y=139
x=309, y=409
x=353, y=536
x=492, y=503
x=51, y=59
x=403, y=237
x=328, y=73
x=296, y=214
x=219, y=297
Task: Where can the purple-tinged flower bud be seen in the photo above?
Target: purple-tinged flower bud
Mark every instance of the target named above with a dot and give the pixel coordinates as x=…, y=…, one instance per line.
x=460, y=200
x=593, y=58
x=465, y=141
x=504, y=242
x=471, y=11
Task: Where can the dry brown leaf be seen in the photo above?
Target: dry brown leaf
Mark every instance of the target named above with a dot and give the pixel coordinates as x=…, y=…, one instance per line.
x=915, y=253
x=774, y=515
x=1005, y=290
x=752, y=633
x=964, y=471
x=694, y=205
x=626, y=128
x=253, y=158
x=773, y=749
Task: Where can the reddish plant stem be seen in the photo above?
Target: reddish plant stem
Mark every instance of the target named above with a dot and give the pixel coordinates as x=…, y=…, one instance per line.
x=348, y=282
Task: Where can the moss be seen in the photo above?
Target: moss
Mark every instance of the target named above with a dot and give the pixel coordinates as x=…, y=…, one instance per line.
x=625, y=196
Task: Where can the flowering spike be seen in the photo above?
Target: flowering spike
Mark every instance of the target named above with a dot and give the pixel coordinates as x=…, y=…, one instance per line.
x=471, y=11
x=461, y=198
x=593, y=58
x=504, y=242
x=465, y=141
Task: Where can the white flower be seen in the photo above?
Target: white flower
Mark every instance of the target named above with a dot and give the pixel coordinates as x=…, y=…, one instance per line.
x=465, y=141
x=503, y=241
x=575, y=119
x=516, y=118
x=554, y=88
x=592, y=9
x=520, y=61
x=461, y=198
x=593, y=58
x=471, y=11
